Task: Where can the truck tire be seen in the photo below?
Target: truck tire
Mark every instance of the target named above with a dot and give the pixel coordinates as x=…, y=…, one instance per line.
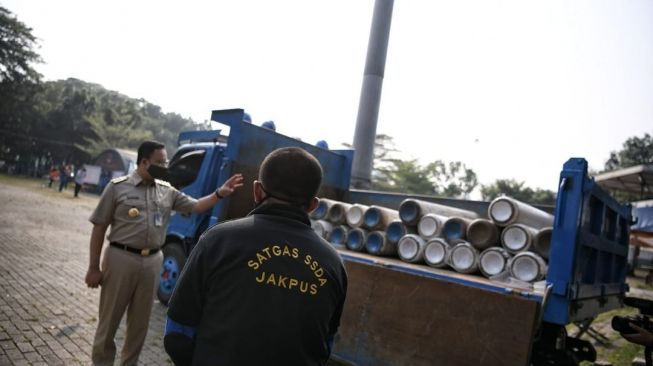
x=174, y=259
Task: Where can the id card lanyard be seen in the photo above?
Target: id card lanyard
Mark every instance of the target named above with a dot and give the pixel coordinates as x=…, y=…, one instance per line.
x=158, y=218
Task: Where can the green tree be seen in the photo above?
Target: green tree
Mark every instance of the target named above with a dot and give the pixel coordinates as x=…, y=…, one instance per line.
x=438, y=178
x=404, y=176
x=451, y=179
x=17, y=54
x=91, y=119
x=517, y=190
x=635, y=151
x=67, y=120
x=393, y=174
x=19, y=86
x=108, y=136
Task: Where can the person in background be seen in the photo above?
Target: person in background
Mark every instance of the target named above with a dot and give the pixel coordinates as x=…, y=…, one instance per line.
x=79, y=180
x=64, y=175
x=54, y=175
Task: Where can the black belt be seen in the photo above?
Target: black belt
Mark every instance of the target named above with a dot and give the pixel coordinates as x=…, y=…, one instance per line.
x=144, y=252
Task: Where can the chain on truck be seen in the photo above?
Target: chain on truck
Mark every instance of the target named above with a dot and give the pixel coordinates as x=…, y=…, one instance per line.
x=401, y=313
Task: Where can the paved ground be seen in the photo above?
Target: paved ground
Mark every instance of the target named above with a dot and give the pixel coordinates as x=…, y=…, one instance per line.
x=47, y=314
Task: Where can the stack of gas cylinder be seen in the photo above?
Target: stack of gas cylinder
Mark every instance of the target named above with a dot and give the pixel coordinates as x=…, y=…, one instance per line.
x=513, y=240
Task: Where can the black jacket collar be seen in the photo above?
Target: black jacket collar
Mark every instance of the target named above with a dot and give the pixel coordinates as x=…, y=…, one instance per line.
x=282, y=210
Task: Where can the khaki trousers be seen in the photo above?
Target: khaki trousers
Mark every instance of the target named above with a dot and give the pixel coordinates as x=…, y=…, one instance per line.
x=129, y=282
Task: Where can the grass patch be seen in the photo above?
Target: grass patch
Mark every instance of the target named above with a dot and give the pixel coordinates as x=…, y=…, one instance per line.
x=643, y=286
x=16, y=180
x=607, y=316
x=623, y=356
x=618, y=351
x=40, y=186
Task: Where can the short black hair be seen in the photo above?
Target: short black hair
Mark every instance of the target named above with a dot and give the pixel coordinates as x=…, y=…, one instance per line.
x=147, y=148
x=291, y=174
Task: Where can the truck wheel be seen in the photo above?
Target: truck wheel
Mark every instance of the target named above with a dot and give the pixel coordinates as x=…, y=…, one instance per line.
x=174, y=259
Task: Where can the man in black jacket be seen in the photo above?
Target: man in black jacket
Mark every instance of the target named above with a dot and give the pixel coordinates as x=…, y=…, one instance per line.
x=264, y=289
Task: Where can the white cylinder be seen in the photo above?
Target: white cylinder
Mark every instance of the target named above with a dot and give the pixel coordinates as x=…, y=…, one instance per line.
x=338, y=235
x=455, y=228
x=430, y=225
x=411, y=248
x=506, y=210
x=376, y=243
x=528, y=267
x=378, y=218
x=542, y=242
x=322, y=227
x=464, y=258
x=412, y=210
x=338, y=213
x=322, y=209
x=493, y=261
x=396, y=230
x=436, y=253
x=517, y=238
x=355, y=215
x=356, y=239
x=482, y=234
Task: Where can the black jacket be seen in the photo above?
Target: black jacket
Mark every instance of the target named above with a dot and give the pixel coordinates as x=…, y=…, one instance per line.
x=262, y=290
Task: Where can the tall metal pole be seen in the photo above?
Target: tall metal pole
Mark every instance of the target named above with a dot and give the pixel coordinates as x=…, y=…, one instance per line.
x=368, y=108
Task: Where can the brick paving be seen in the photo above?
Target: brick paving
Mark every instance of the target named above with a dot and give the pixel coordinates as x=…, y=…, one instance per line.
x=47, y=314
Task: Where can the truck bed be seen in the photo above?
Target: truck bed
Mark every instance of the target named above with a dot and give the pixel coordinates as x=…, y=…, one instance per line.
x=461, y=319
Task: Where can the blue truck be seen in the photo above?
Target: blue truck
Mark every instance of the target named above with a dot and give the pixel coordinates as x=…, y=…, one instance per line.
x=399, y=313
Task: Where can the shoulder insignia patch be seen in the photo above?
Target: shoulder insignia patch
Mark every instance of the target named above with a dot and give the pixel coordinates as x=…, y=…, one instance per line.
x=119, y=179
x=162, y=182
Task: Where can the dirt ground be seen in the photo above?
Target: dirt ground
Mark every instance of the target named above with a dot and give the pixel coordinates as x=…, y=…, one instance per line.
x=48, y=315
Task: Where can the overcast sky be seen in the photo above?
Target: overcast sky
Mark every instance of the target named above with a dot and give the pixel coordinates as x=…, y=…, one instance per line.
x=511, y=88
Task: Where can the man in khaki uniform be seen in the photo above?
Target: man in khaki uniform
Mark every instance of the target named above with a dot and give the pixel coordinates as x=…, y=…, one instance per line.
x=137, y=207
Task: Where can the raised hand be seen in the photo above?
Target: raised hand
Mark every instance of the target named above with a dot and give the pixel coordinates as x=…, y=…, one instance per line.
x=234, y=182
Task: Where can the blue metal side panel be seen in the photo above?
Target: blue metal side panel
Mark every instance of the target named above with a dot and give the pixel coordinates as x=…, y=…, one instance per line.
x=247, y=146
x=247, y=141
x=195, y=136
x=214, y=179
x=342, y=179
x=393, y=200
x=589, y=247
x=644, y=221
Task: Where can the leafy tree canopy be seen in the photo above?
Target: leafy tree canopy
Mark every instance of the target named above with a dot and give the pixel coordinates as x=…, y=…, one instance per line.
x=516, y=190
x=19, y=82
x=450, y=179
x=635, y=151
x=17, y=54
x=72, y=120
x=67, y=120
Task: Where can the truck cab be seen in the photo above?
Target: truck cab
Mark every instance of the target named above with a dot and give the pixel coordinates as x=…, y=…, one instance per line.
x=192, y=170
x=204, y=160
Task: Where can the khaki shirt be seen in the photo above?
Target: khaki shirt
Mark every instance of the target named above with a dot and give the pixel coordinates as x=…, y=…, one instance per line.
x=131, y=207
